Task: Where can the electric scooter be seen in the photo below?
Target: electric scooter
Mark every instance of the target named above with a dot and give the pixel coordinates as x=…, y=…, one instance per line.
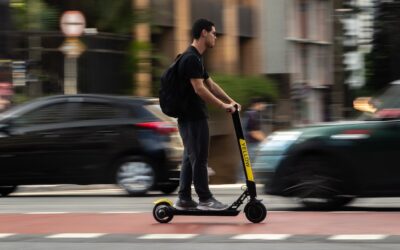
x=254, y=210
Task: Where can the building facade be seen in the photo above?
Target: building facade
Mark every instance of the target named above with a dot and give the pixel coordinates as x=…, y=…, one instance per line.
x=302, y=51
x=237, y=49
x=310, y=58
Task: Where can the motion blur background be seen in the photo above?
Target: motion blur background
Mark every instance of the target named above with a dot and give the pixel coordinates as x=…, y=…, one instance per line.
x=308, y=58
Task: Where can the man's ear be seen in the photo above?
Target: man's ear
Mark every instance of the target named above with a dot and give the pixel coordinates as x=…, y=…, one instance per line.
x=204, y=33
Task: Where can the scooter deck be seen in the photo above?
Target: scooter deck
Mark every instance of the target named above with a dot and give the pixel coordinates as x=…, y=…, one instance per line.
x=198, y=212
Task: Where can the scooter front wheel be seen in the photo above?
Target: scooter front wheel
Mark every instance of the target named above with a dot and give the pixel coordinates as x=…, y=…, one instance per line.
x=255, y=211
x=162, y=212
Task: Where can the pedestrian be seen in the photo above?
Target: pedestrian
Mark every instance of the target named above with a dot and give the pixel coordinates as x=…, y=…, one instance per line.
x=252, y=127
x=252, y=120
x=198, y=89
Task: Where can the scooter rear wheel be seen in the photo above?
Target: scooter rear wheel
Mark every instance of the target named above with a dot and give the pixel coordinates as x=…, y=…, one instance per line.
x=162, y=212
x=255, y=211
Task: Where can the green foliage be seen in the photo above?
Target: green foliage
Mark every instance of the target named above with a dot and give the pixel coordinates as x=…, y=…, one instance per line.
x=34, y=15
x=108, y=16
x=140, y=53
x=382, y=62
x=243, y=88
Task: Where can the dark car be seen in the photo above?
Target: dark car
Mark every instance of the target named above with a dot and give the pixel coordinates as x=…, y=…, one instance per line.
x=327, y=165
x=89, y=139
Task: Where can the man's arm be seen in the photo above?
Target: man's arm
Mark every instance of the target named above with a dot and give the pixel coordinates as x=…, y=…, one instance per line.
x=208, y=96
x=219, y=92
x=258, y=135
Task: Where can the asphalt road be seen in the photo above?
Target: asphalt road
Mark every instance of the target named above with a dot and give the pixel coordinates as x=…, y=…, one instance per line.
x=103, y=217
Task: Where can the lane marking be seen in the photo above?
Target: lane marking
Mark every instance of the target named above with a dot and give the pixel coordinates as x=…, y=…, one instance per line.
x=339, y=237
x=68, y=192
x=50, y=212
x=357, y=237
x=75, y=235
x=7, y=212
x=5, y=235
x=261, y=236
x=166, y=236
x=74, y=212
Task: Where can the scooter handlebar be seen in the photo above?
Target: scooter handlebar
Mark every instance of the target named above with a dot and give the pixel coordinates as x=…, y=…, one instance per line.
x=236, y=108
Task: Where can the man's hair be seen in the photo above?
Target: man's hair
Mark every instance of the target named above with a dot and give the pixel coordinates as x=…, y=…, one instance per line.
x=199, y=25
x=257, y=99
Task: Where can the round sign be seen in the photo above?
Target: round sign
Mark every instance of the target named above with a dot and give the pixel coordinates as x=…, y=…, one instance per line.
x=72, y=23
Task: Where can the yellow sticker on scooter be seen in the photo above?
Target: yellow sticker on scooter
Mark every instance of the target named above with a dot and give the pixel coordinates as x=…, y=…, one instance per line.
x=246, y=159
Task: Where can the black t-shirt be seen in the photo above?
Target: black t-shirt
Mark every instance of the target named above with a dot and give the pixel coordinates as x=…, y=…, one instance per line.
x=191, y=67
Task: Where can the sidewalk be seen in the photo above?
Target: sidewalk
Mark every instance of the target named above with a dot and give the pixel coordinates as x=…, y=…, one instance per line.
x=71, y=187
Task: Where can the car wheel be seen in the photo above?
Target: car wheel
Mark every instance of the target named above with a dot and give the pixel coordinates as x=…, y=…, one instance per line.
x=168, y=188
x=136, y=176
x=317, y=184
x=6, y=190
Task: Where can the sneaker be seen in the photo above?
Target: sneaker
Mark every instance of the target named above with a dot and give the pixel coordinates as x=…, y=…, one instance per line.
x=185, y=204
x=212, y=204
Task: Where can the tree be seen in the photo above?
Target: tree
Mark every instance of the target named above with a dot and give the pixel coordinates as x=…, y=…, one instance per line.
x=34, y=15
x=384, y=60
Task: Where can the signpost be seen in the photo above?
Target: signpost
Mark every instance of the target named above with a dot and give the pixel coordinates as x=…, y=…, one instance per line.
x=72, y=24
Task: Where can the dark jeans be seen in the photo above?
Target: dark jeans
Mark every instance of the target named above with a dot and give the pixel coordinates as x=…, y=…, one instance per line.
x=195, y=137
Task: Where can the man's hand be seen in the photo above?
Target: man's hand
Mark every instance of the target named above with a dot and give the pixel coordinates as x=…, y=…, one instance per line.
x=238, y=105
x=230, y=108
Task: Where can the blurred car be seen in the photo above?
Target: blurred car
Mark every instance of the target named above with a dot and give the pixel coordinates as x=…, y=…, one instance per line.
x=90, y=139
x=327, y=165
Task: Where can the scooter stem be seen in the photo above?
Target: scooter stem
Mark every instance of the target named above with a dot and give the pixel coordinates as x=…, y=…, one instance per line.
x=244, y=154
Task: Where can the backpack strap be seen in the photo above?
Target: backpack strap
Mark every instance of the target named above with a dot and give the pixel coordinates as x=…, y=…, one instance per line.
x=179, y=56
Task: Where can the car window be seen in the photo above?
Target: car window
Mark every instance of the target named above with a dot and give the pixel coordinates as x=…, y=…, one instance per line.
x=96, y=111
x=52, y=113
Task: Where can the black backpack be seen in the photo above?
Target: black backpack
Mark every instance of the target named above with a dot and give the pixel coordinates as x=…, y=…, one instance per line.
x=171, y=90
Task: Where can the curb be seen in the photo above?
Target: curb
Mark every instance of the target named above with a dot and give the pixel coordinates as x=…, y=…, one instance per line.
x=72, y=187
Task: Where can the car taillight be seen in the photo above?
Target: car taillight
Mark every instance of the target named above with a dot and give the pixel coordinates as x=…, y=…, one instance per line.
x=159, y=127
x=356, y=132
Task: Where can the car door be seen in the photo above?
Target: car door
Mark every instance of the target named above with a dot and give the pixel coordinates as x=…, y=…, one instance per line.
x=386, y=157
x=93, y=134
x=32, y=146
x=378, y=158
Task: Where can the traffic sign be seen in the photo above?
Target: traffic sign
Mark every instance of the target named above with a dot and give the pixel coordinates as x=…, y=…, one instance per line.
x=72, y=23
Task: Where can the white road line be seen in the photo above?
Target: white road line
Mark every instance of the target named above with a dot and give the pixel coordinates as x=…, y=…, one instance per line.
x=261, y=236
x=68, y=192
x=74, y=235
x=167, y=236
x=74, y=212
x=43, y=212
x=5, y=235
x=358, y=237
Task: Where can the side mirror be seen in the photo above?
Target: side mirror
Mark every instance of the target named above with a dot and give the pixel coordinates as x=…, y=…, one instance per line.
x=364, y=104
